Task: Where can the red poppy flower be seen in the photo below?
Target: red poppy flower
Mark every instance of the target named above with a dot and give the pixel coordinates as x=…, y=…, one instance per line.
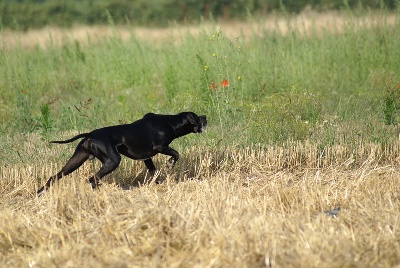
x=224, y=83
x=212, y=86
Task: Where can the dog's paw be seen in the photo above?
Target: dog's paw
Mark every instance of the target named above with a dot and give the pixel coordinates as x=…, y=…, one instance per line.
x=170, y=163
x=159, y=180
x=40, y=191
x=94, y=183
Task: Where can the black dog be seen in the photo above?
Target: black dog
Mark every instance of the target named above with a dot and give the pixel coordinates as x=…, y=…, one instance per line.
x=139, y=140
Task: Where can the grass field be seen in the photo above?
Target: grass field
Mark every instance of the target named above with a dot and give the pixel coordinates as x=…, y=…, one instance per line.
x=303, y=118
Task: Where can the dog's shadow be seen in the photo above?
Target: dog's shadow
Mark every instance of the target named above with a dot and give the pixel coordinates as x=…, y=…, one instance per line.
x=130, y=183
x=131, y=176
x=141, y=179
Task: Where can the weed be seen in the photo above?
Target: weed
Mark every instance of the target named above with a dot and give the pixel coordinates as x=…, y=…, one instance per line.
x=392, y=105
x=45, y=120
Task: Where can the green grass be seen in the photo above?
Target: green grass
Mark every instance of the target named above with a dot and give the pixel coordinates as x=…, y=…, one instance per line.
x=329, y=87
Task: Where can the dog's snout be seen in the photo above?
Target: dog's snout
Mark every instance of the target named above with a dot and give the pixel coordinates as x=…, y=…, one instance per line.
x=203, y=123
x=203, y=120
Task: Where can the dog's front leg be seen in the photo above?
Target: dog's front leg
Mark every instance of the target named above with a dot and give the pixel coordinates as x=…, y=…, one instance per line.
x=174, y=156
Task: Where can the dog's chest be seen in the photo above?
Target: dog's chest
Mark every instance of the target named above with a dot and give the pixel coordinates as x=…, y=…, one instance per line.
x=137, y=153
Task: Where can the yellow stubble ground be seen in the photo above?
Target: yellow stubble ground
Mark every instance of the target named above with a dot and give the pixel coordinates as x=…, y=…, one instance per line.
x=249, y=207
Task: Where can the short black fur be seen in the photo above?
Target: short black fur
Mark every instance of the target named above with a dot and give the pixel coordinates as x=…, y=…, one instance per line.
x=139, y=140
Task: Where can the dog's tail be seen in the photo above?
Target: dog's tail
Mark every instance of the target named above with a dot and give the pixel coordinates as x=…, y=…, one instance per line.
x=83, y=135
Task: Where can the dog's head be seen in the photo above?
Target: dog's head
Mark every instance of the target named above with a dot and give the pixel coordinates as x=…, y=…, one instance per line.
x=198, y=123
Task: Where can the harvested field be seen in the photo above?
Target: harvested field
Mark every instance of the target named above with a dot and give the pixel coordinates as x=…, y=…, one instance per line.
x=250, y=207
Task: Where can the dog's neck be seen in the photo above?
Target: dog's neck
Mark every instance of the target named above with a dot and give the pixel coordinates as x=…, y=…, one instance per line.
x=181, y=131
x=173, y=129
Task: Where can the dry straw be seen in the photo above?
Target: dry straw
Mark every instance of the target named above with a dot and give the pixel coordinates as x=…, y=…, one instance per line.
x=240, y=207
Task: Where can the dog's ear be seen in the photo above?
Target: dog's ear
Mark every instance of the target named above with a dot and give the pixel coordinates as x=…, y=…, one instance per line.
x=192, y=120
x=197, y=122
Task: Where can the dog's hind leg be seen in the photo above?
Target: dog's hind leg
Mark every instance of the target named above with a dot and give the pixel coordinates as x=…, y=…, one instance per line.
x=109, y=157
x=78, y=158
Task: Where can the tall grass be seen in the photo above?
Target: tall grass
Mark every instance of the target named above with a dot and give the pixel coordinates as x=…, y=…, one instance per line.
x=299, y=84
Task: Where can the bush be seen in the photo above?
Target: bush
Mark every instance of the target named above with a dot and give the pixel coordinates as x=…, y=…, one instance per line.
x=32, y=13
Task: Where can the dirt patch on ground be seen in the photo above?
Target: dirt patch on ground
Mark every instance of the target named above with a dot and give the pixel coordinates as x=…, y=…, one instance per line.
x=304, y=23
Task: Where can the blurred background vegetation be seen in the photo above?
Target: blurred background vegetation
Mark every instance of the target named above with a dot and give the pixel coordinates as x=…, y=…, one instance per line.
x=25, y=14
